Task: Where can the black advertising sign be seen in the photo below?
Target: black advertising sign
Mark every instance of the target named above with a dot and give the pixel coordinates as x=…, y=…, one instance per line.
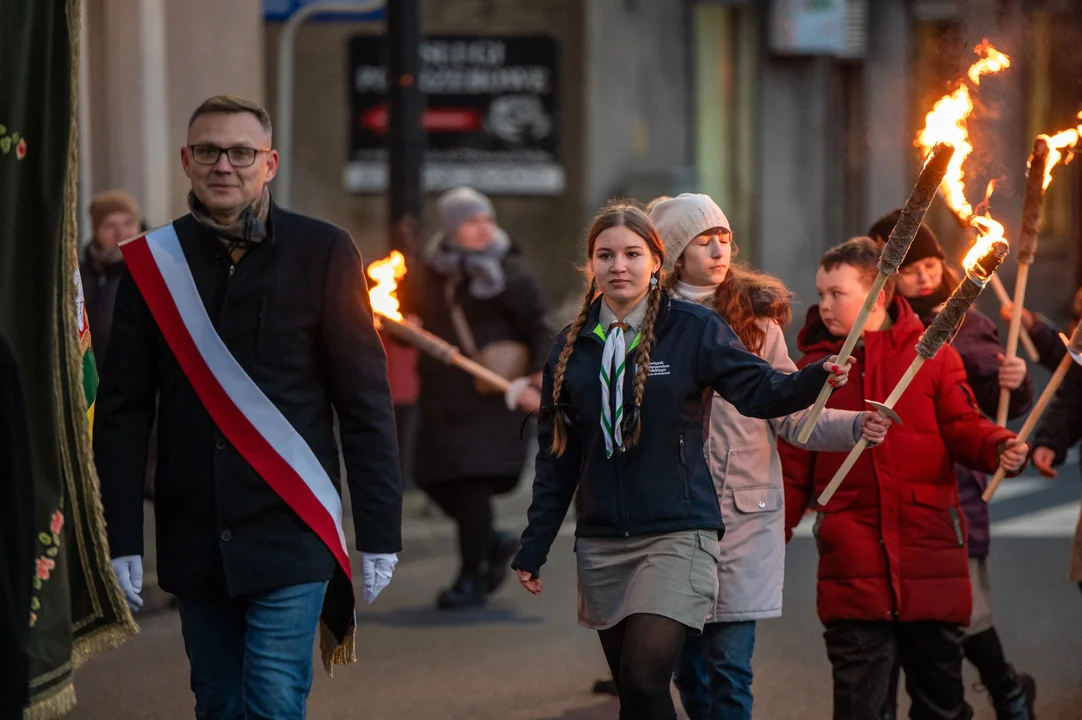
x=490, y=117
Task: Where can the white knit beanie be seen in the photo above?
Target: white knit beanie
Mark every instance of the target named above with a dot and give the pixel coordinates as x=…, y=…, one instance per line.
x=681, y=219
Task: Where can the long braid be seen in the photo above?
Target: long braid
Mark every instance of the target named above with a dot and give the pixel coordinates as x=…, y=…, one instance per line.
x=642, y=360
x=559, y=432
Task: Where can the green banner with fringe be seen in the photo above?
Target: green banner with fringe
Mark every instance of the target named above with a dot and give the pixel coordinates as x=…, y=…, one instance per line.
x=76, y=607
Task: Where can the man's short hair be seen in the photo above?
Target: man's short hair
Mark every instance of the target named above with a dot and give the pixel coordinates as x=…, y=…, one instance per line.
x=229, y=104
x=863, y=254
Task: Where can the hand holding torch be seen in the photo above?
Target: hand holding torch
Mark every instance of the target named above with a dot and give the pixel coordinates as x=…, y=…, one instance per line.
x=1027, y=248
x=901, y=237
x=935, y=337
x=1074, y=355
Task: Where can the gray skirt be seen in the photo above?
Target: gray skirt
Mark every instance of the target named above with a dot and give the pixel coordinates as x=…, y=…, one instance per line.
x=674, y=575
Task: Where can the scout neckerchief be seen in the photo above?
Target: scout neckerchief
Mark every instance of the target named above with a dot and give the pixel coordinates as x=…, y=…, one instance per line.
x=614, y=369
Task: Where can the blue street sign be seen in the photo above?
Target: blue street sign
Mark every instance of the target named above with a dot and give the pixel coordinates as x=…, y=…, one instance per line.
x=281, y=10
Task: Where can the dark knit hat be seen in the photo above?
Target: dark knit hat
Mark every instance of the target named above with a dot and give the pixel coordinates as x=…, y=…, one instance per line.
x=111, y=201
x=925, y=244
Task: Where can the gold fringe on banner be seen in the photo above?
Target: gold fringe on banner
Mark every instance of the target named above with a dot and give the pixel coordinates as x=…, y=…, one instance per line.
x=334, y=653
x=60, y=702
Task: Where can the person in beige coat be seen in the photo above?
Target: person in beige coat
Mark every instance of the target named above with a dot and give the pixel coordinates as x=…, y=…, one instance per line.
x=714, y=675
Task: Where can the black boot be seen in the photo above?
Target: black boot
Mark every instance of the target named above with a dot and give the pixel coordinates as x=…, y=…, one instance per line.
x=1015, y=702
x=467, y=592
x=504, y=547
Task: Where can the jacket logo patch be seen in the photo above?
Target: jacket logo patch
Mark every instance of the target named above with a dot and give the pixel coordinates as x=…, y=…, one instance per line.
x=658, y=367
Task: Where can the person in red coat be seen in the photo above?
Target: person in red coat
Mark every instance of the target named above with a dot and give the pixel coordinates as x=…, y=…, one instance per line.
x=893, y=565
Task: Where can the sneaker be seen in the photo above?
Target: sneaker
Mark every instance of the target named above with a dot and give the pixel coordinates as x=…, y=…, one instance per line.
x=1019, y=702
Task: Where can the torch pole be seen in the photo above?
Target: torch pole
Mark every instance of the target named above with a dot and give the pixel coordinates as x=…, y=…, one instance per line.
x=1023, y=336
x=854, y=454
x=901, y=237
x=1031, y=421
x=935, y=337
x=1027, y=248
x=441, y=349
x=1073, y=354
x=1012, y=339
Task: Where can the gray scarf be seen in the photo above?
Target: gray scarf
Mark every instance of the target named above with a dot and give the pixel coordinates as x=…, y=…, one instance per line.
x=238, y=236
x=484, y=268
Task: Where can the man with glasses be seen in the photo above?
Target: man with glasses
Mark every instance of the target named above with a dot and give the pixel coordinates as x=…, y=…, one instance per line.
x=254, y=326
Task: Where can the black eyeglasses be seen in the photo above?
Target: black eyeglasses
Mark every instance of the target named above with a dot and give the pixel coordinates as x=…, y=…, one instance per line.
x=239, y=157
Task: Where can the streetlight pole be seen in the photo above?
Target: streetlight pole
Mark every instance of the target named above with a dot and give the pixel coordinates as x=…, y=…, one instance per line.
x=287, y=38
x=406, y=134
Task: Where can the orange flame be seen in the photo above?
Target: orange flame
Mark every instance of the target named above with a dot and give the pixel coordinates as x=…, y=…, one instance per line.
x=1065, y=140
x=948, y=122
x=386, y=273
x=992, y=61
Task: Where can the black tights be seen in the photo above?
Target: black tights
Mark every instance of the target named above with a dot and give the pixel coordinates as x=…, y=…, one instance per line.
x=469, y=504
x=642, y=651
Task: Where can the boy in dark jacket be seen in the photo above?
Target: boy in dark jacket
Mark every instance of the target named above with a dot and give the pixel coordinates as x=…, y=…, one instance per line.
x=926, y=281
x=893, y=567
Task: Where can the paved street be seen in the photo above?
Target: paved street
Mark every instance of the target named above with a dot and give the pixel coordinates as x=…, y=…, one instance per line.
x=524, y=658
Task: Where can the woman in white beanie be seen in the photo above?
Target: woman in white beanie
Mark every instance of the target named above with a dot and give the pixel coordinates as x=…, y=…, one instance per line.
x=714, y=674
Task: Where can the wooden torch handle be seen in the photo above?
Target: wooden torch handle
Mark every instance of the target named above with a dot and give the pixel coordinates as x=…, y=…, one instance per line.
x=1023, y=337
x=843, y=356
x=854, y=454
x=1034, y=416
x=1012, y=338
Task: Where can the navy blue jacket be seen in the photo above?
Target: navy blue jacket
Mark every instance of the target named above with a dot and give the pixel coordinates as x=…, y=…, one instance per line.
x=663, y=484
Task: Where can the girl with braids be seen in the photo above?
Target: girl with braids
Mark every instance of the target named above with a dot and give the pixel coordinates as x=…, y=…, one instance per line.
x=625, y=396
x=714, y=673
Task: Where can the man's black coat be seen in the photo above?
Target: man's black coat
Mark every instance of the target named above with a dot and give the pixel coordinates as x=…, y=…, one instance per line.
x=294, y=312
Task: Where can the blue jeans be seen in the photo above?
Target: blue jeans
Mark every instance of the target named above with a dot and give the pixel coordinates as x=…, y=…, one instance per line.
x=251, y=656
x=714, y=672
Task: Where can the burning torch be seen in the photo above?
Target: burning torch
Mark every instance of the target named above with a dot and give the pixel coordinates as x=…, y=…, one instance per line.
x=1027, y=248
x=386, y=273
x=1074, y=354
x=901, y=237
x=980, y=265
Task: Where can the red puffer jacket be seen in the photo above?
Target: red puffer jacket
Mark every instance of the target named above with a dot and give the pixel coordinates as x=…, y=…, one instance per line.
x=892, y=539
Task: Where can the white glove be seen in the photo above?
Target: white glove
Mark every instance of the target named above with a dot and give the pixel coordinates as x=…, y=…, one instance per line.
x=129, y=573
x=377, y=568
x=510, y=397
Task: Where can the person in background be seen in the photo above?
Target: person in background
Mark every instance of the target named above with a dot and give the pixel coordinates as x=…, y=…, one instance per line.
x=925, y=280
x=114, y=217
x=893, y=579
x=402, y=360
x=1044, y=333
x=714, y=675
x=1061, y=427
x=621, y=431
x=473, y=288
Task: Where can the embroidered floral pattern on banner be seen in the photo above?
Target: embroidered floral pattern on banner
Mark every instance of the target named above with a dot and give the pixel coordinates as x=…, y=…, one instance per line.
x=14, y=141
x=46, y=562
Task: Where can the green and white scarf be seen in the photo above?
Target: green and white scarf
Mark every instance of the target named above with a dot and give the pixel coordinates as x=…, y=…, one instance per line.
x=613, y=368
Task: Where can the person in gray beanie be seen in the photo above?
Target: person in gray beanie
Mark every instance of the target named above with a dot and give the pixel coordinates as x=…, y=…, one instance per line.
x=473, y=289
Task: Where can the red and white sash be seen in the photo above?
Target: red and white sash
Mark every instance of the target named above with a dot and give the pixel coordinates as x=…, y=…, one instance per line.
x=247, y=417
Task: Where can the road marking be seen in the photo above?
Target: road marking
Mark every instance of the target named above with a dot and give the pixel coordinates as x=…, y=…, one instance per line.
x=1057, y=521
